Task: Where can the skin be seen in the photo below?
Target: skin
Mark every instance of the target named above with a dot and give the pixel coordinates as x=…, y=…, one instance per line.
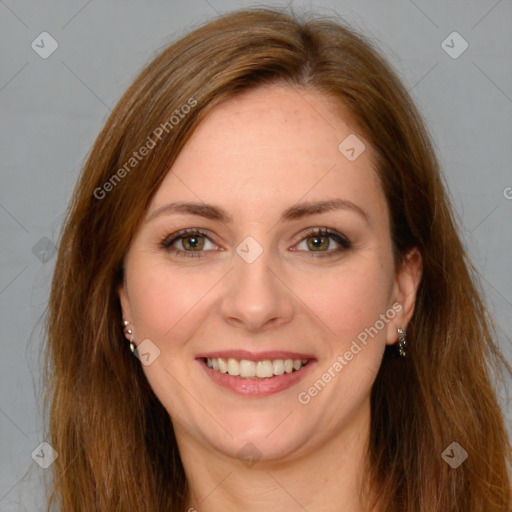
x=256, y=155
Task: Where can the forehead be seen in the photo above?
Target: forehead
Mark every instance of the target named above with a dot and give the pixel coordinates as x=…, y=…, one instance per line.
x=269, y=147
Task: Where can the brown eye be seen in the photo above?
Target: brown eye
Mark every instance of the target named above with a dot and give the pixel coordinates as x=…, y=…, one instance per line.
x=319, y=240
x=187, y=242
x=193, y=242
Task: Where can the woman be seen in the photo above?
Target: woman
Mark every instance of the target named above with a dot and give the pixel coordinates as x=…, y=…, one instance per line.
x=261, y=301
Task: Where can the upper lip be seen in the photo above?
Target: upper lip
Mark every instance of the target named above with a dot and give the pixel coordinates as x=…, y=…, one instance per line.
x=254, y=356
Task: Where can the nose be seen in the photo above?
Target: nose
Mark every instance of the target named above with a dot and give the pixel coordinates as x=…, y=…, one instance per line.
x=256, y=297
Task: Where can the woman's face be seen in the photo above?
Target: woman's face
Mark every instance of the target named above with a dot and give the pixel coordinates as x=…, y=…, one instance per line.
x=253, y=284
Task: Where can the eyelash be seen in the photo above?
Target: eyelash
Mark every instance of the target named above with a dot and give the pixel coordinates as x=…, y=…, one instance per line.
x=344, y=242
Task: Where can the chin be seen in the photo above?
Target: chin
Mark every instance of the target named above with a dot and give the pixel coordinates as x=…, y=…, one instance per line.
x=268, y=438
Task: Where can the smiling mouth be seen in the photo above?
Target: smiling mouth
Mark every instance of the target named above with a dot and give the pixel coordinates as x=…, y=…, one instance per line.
x=247, y=369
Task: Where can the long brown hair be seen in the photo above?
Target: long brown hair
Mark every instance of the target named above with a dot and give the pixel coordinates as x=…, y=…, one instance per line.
x=115, y=440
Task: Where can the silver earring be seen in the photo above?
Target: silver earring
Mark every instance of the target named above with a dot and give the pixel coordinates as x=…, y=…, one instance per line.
x=128, y=332
x=402, y=342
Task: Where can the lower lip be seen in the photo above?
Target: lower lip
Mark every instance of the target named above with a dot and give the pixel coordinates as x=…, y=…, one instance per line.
x=257, y=387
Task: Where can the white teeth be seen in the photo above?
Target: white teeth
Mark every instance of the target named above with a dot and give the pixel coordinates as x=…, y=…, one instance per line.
x=278, y=367
x=264, y=369
x=223, y=365
x=247, y=368
x=251, y=369
x=233, y=367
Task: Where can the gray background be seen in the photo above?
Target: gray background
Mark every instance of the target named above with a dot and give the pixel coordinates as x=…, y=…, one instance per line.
x=52, y=110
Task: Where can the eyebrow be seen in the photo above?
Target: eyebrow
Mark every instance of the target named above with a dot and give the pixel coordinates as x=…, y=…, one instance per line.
x=295, y=212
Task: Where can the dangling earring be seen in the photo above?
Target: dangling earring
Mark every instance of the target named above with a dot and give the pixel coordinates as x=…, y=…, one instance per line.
x=128, y=332
x=402, y=342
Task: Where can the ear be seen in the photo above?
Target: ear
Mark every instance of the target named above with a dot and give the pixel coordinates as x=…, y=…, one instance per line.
x=406, y=286
x=124, y=301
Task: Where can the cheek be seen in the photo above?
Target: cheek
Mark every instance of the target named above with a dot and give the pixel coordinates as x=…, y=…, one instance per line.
x=161, y=298
x=349, y=302
x=165, y=304
x=349, y=299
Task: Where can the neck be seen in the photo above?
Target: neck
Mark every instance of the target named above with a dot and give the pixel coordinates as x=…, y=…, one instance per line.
x=326, y=478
